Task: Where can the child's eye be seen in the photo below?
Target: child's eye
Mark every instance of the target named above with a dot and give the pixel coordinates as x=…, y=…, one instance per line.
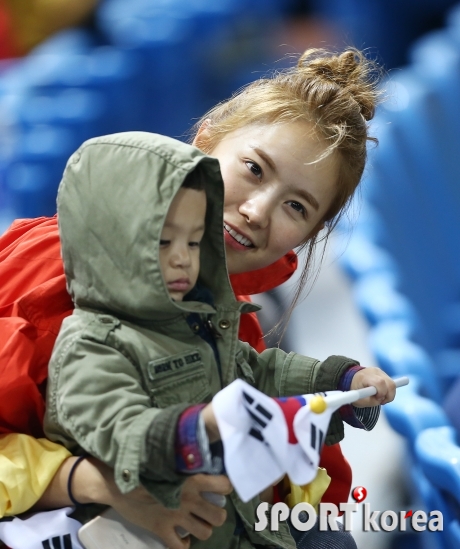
x=194, y=244
x=255, y=168
x=164, y=242
x=297, y=206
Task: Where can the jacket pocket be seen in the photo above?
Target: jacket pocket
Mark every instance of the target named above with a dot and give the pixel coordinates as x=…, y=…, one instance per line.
x=244, y=370
x=178, y=379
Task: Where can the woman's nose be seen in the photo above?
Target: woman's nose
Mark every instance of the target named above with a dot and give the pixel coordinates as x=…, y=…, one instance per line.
x=257, y=209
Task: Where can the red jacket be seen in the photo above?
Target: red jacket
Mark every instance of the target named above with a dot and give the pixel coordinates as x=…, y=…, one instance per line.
x=34, y=301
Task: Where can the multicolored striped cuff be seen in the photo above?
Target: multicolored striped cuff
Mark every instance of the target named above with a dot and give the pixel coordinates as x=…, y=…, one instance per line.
x=360, y=418
x=189, y=451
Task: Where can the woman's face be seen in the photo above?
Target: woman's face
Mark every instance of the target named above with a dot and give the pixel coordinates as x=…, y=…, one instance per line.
x=274, y=199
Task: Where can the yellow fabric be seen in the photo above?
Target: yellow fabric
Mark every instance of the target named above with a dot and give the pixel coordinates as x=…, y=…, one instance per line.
x=27, y=466
x=309, y=493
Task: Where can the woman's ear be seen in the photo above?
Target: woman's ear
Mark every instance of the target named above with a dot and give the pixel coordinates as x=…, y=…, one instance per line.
x=202, y=135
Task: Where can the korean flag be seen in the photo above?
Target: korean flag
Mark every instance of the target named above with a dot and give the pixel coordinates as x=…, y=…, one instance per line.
x=254, y=435
x=265, y=438
x=47, y=530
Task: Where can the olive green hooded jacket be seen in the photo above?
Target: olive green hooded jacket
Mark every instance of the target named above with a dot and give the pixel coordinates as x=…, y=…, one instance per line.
x=126, y=364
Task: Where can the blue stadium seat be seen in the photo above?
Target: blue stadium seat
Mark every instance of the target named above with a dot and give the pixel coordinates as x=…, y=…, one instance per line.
x=410, y=414
x=35, y=169
x=397, y=355
x=439, y=457
x=161, y=41
x=77, y=110
x=376, y=295
x=73, y=40
x=426, y=269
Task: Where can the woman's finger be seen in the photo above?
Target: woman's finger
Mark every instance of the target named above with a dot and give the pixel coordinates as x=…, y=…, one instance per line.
x=208, y=512
x=172, y=540
x=220, y=484
x=197, y=527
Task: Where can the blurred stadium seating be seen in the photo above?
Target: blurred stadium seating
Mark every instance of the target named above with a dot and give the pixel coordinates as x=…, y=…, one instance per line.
x=153, y=66
x=404, y=260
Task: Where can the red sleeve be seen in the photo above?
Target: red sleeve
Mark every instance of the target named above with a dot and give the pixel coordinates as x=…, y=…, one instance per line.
x=33, y=303
x=250, y=330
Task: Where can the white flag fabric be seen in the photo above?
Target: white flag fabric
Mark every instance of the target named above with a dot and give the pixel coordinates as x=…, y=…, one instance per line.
x=265, y=438
x=252, y=429
x=310, y=431
x=47, y=530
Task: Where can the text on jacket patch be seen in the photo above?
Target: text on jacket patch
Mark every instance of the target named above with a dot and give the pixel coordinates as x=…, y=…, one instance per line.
x=175, y=363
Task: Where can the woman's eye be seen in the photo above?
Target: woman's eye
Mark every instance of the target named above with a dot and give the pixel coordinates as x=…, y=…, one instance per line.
x=255, y=168
x=297, y=206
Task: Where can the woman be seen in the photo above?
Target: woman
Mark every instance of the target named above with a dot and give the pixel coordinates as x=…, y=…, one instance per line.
x=292, y=149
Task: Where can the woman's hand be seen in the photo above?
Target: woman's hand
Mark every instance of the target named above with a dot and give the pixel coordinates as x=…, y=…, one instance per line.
x=195, y=515
x=93, y=482
x=373, y=377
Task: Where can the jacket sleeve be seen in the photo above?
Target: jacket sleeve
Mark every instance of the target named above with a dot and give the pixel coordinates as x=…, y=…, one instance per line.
x=277, y=373
x=27, y=466
x=98, y=402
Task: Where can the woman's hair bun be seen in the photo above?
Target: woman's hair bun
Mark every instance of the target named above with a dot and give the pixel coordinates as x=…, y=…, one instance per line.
x=350, y=70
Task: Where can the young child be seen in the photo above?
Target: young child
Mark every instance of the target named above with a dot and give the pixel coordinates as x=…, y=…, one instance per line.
x=154, y=332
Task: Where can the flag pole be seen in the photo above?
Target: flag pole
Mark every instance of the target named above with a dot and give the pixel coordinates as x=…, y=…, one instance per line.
x=318, y=404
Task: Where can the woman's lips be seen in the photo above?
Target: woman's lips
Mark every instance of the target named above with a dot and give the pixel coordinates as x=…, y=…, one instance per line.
x=236, y=240
x=234, y=244
x=179, y=285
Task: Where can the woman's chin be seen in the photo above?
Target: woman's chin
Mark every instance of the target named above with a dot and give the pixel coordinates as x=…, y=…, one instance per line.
x=243, y=261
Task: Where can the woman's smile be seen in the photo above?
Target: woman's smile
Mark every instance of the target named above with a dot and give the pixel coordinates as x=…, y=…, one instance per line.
x=236, y=239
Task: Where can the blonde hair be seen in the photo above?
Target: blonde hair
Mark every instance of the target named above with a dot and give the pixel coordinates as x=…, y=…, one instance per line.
x=337, y=93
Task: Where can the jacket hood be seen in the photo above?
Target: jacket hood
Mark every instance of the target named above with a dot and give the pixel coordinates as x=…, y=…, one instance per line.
x=112, y=202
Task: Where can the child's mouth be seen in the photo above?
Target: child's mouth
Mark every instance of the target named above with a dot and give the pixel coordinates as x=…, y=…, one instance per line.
x=179, y=285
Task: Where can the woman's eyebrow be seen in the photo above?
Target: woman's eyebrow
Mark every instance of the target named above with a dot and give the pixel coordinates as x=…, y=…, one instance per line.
x=265, y=157
x=307, y=196
x=310, y=199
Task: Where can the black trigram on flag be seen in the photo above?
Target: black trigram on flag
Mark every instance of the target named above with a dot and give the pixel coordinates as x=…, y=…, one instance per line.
x=59, y=542
x=316, y=438
x=317, y=435
x=261, y=417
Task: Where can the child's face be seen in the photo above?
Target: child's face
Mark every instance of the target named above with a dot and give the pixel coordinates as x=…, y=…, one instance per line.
x=180, y=242
x=275, y=198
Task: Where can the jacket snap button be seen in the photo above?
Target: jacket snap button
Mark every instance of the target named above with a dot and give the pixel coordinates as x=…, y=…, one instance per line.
x=196, y=327
x=224, y=324
x=126, y=475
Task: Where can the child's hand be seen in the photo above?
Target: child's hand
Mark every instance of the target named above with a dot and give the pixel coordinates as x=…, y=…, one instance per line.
x=377, y=378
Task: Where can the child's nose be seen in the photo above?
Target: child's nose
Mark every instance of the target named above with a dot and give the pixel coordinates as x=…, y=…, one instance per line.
x=181, y=257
